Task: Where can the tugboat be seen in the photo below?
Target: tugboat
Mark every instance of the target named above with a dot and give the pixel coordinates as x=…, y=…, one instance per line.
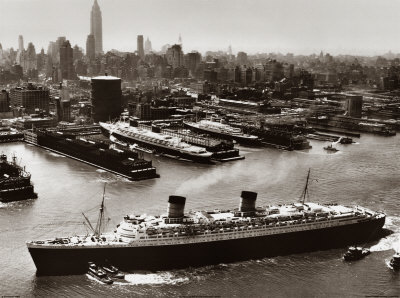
x=331, y=148
x=15, y=182
x=345, y=140
x=395, y=262
x=99, y=273
x=355, y=253
x=112, y=270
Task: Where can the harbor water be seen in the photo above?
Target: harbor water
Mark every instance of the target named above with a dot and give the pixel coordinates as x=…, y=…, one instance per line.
x=366, y=173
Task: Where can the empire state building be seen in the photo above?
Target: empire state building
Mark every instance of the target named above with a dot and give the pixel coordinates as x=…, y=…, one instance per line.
x=96, y=27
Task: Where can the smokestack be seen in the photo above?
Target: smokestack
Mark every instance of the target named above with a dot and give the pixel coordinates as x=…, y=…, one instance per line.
x=176, y=205
x=248, y=201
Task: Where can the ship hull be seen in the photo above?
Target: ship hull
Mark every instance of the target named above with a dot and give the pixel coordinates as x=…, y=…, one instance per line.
x=74, y=260
x=18, y=194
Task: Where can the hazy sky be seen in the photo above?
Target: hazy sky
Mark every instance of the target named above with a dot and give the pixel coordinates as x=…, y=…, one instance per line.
x=297, y=26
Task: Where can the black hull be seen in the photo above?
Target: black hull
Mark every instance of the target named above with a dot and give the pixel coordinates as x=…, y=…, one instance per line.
x=239, y=139
x=19, y=194
x=163, y=150
x=74, y=261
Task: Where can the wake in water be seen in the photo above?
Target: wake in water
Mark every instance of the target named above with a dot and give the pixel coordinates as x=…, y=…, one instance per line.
x=54, y=154
x=391, y=241
x=162, y=278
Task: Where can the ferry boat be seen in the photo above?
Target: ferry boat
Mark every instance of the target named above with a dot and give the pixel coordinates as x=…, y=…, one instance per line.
x=154, y=140
x=179, y=240
x=15, y=182
x=222, y=130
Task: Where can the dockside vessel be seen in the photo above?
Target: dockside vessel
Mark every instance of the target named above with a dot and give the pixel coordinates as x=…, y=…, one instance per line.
x=152, y=139
x=119, y=161
x=224, y=131
x=15, y=182
x=177, y=239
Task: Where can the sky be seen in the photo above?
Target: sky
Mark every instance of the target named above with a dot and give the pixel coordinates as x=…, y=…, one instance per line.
x=358, y=27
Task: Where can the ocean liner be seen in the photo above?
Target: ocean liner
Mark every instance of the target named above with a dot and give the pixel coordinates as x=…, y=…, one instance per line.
x=153, y=139
x=15, y=182
x=178, y=240
x=222, y=130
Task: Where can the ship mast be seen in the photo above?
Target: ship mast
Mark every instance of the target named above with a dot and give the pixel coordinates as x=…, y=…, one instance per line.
x=101, y=215
x=305, y=190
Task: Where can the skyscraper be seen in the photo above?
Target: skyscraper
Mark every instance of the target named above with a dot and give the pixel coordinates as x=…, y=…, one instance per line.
x=66, y=62
x=106, y=98
x=147, y=46
x=90, y=47
x=175, y=56
x=96, y=27
x=21, y=43
x=140, y=48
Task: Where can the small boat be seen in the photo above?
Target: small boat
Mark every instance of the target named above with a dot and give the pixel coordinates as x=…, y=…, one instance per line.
x=345, y=140
x=355, y=253
x=99, y=273
x=112, y=270
x=395, y=262
x=331, y=148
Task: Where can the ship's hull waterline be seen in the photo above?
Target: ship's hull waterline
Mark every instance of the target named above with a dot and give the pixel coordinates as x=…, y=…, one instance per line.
x=73, y=260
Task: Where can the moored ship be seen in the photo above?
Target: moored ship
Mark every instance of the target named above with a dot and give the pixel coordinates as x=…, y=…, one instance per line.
x=15, y=182
x=119, y=161
x=154, y=140
x=222, y=130
x=177, y=239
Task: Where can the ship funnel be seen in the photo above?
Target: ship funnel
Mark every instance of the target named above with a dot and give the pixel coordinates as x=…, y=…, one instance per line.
x=134, y=123
x=176, y=205
x=155, y=129
x=248, y=201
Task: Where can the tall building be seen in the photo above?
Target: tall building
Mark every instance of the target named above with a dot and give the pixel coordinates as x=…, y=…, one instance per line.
x=66, y=62
x=147, y=46
x=21, y=43
x=242, y=58
x=180, y=40
x=140, y=48
x=175, y=56
x=106, y=98
x=192, y=61
x=32, y=98
x=90, y=47
x=4, y=101
x=96, y=27
x=30, y=59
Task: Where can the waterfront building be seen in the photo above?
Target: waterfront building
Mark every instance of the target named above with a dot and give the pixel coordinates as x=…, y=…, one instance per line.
x=106, y=98
x=32, y=98
x=140, y=48
x=96, y=27
x=354, y=106
x=66, y=62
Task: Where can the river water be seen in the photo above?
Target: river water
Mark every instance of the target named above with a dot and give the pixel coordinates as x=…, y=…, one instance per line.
x=366, y=173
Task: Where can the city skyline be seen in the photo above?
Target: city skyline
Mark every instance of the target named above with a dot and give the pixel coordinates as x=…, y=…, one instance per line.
x=300, y=27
